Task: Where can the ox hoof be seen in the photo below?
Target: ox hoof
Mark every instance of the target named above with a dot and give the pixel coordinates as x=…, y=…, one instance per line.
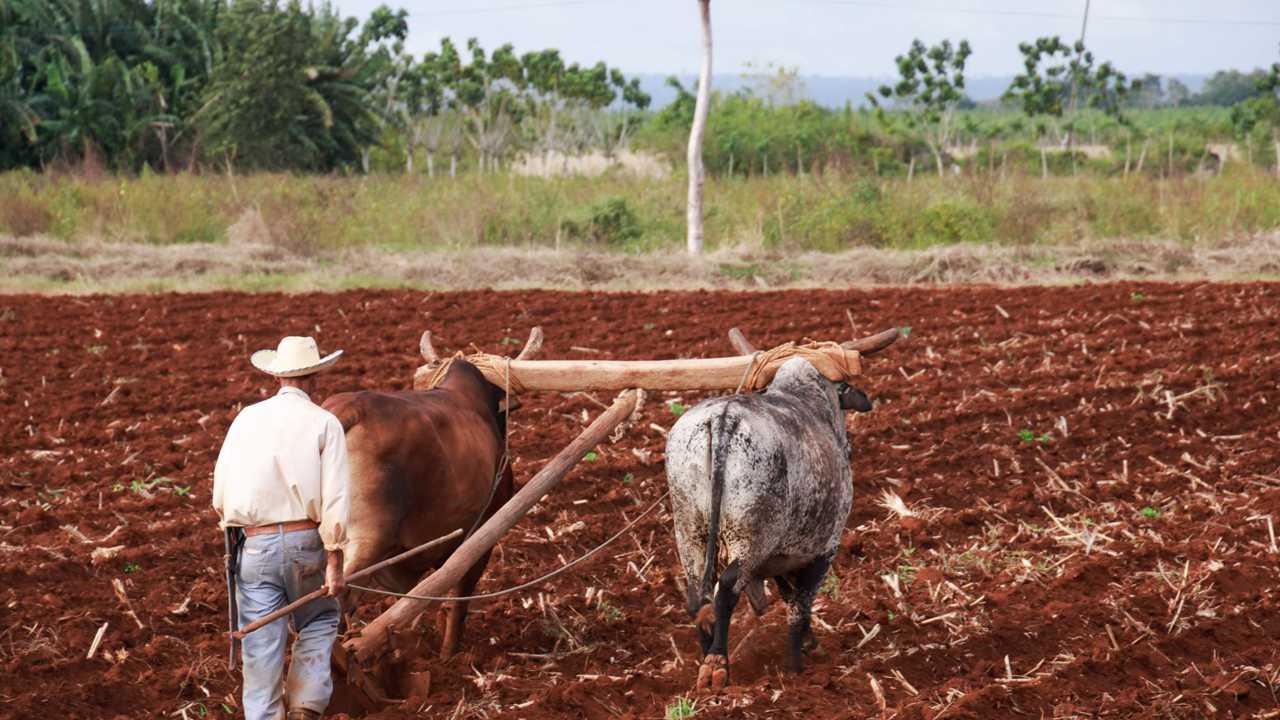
x=713, y=675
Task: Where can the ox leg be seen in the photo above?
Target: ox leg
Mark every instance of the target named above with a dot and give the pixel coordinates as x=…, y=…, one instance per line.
x=714, y=673
x=804, y=585
x=456, y=612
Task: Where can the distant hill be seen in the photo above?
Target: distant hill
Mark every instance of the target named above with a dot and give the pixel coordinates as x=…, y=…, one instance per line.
x=836, y=91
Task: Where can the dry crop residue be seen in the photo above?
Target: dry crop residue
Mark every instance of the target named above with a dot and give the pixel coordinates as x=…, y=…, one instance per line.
x=1085, y=482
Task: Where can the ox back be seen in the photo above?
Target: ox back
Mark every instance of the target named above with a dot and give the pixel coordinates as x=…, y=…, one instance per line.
x=423, y=463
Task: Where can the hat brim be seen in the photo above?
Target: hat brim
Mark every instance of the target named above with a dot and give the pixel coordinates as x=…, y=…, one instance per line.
x=264, y=359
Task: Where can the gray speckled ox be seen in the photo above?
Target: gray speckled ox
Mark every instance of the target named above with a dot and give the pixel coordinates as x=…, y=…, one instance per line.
x=779, y=493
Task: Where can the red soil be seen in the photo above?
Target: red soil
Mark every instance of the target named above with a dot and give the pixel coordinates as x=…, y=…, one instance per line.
x=1114, y=563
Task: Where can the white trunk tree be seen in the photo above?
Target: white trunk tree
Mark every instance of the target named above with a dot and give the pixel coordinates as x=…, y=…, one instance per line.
x=696, y=132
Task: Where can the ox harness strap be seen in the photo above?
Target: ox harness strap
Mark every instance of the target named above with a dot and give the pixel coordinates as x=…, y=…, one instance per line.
x=523, y=586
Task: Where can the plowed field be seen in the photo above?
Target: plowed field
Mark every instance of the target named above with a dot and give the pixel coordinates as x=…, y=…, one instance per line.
x=1089, y=475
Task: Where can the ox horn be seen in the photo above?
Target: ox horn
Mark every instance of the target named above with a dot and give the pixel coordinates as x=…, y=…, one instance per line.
x=427, y=349
x=873, y=344
x=533, y=345
x=740, y=342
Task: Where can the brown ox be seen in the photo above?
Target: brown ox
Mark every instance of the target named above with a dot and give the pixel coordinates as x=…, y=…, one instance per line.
x=423, y=463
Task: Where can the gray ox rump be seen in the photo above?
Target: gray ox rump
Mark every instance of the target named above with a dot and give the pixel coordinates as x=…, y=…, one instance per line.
x=772, y=505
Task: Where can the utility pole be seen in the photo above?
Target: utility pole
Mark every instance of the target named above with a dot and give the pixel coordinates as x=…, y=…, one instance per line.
x=1075, y=87
x=694, y=210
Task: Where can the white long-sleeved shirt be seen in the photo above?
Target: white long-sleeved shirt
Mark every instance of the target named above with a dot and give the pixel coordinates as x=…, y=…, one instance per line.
x=284, y=459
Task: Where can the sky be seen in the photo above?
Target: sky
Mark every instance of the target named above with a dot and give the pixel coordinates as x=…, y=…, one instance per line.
x=852, y=37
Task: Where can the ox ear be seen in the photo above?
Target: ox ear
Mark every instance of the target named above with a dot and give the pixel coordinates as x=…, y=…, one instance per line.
x=851, y=398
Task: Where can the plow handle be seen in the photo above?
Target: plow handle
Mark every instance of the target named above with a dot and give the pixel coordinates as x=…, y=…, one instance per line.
x=324, y=589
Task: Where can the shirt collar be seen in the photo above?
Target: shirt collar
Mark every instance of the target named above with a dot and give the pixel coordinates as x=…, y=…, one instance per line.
x=290, y=390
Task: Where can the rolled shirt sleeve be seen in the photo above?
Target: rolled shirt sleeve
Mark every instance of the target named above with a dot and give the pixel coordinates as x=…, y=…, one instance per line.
x=335, y=476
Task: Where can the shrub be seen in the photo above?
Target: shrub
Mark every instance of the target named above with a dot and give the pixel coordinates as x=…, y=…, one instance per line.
x=610, y=221
x=954, y=221
x=22, y=215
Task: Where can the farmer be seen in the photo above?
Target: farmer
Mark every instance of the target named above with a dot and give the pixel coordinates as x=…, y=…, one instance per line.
x=282, y=476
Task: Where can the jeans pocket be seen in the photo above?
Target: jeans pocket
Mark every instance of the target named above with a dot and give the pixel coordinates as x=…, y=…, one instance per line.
x=309, y=562
x=252, y=560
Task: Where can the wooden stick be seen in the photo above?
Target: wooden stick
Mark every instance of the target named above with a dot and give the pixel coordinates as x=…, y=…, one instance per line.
x=97, y=640
x=372, y=640
x=324, y=589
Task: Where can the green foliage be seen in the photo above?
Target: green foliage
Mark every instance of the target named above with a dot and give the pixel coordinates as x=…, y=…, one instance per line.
x=929, y=89
x=676, y=408
x=591, y=456
x=295, y=88
x=1056, y=76
x=1150, y=512
x=681, y=709
x=609, y=221
x=830, y=586
x=131, y=567
x=1028, y=436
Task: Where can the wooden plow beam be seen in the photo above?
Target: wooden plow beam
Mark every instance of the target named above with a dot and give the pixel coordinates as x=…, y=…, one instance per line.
x=751, y=370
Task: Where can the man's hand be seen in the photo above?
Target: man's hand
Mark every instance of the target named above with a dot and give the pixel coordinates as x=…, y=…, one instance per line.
x=333, y=573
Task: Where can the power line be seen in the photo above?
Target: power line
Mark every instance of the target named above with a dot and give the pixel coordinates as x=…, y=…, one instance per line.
x=1052, y=15
x=505, y=8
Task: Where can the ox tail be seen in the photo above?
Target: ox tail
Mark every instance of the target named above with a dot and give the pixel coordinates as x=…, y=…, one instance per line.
x=716, y=467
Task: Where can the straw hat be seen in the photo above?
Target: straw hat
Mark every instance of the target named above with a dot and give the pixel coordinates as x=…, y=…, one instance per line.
x=294, y=357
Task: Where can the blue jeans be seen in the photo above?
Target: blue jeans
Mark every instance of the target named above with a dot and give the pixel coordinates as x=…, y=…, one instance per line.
x=275, y=570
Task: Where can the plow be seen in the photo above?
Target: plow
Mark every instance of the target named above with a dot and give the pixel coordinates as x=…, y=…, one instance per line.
x=368, y=657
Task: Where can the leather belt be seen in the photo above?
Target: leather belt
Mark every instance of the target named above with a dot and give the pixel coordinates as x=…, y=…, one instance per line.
x=284, y=527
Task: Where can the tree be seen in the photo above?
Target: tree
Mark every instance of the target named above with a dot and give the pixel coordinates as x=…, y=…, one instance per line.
x=1054, y=75
x=694, y=239
x=1228, y=87
x=930, y=86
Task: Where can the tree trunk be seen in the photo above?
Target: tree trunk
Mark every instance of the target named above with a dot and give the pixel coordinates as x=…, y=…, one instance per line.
x=937, y=159
x=1128, y=142
x=730, y=164
x=1044, y=164
x=431, y=165
x=1170, y=153
x=694, y=209
x=911, y=168
x=453, y=165
x=1142, y=158
x=1277, y=145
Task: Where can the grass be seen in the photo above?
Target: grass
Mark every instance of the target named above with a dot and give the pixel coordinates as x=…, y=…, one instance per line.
x=1027, y=436
x=682, y=708
x=322, y=215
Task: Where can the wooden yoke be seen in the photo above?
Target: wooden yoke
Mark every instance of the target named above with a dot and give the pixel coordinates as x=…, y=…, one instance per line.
x=751, y=370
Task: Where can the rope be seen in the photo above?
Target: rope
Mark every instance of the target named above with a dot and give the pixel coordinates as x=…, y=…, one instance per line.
x=829, y=358
x=746, y=372
x=438, y=372
x=524, y=586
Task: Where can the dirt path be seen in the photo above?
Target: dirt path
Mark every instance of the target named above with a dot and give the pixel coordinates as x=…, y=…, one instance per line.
x=1092, y=472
